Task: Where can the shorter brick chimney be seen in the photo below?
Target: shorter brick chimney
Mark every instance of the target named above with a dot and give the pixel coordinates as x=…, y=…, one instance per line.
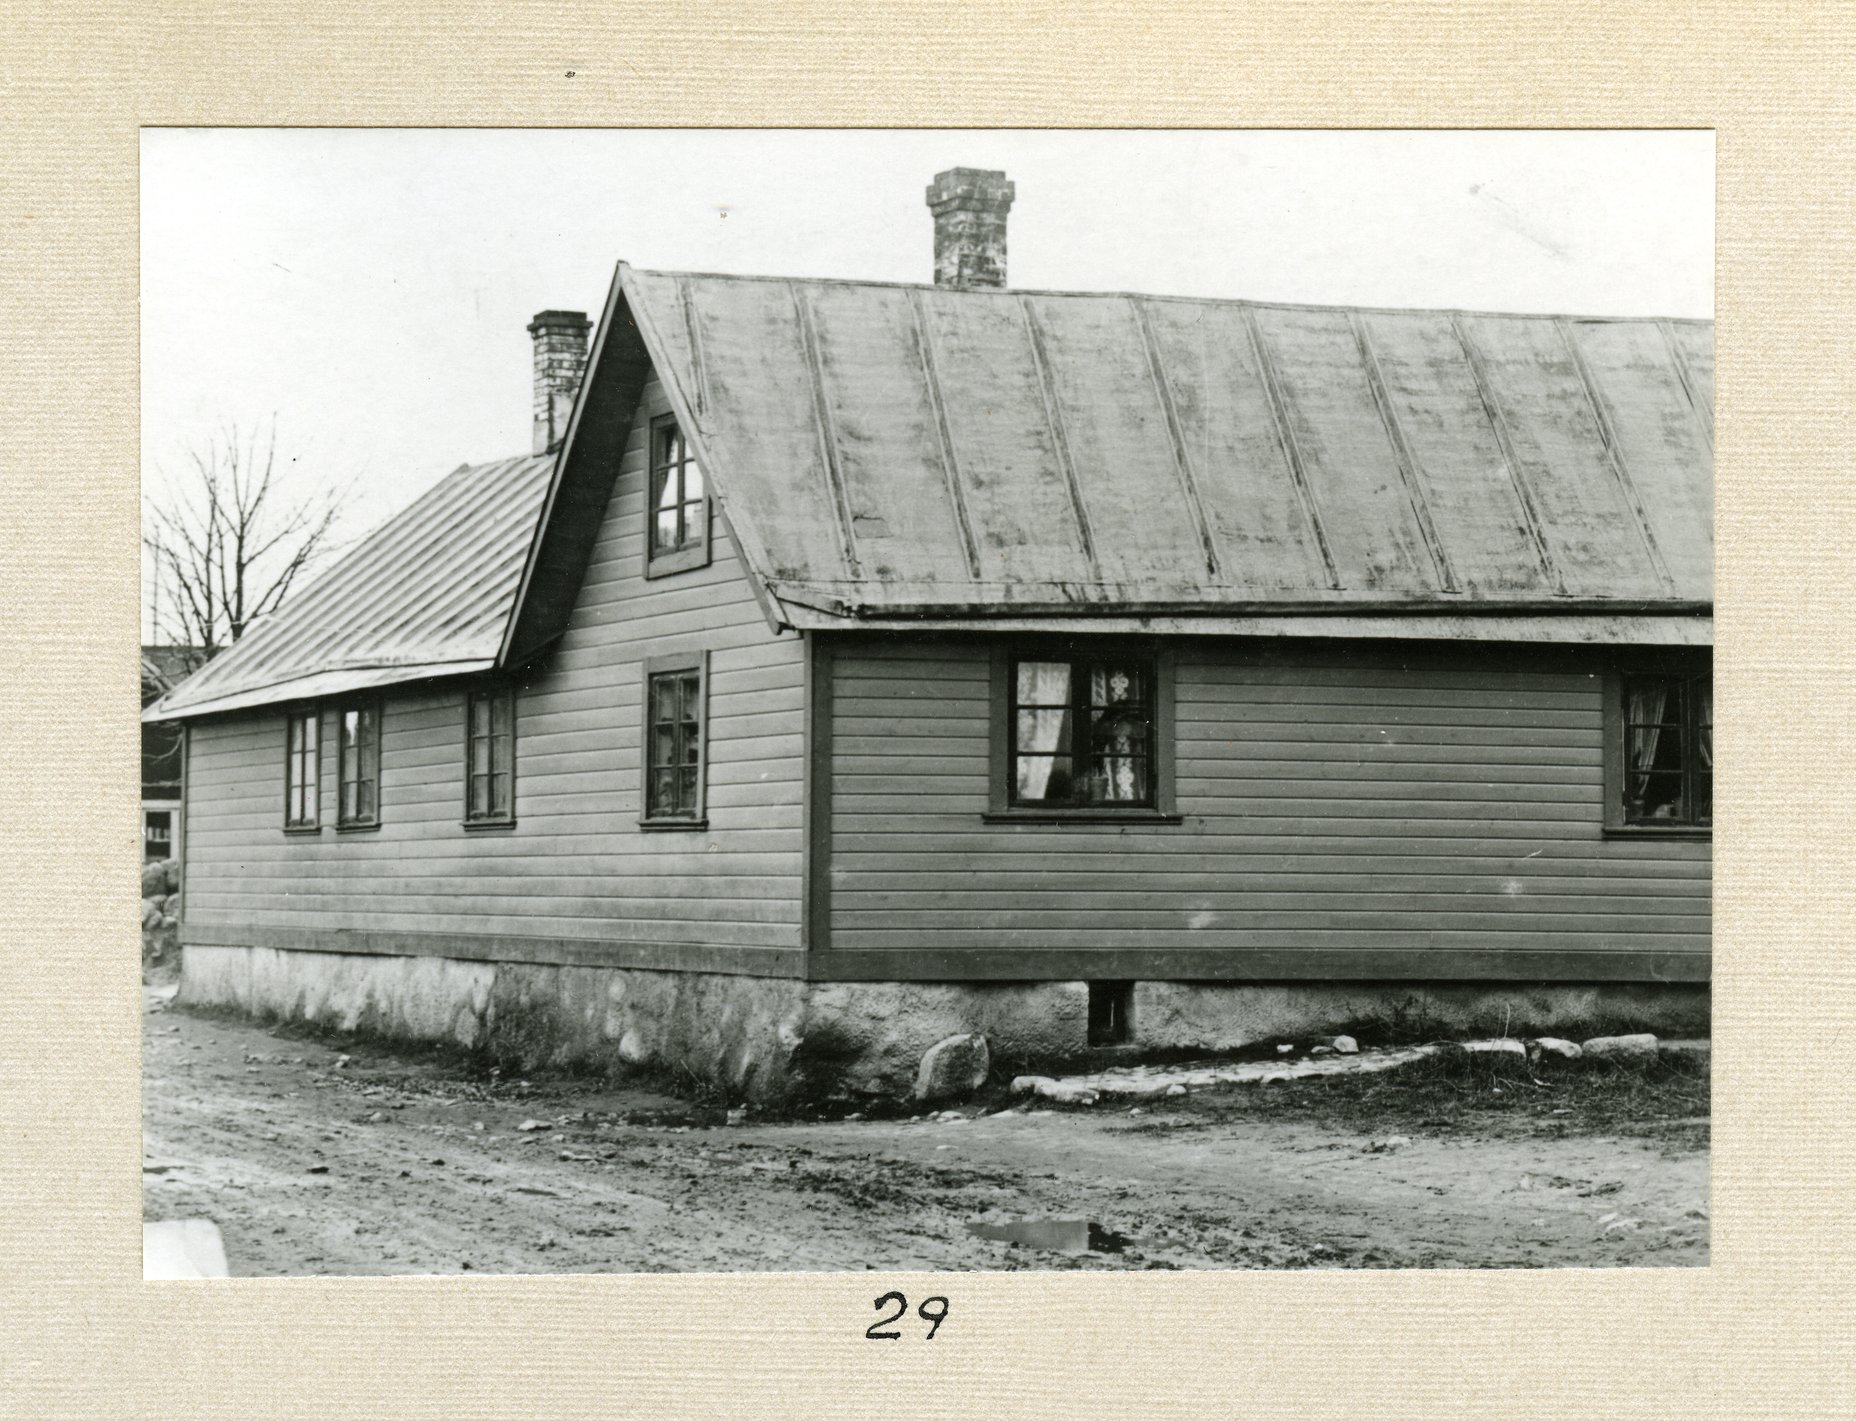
x=560, y=366
x=969, y=206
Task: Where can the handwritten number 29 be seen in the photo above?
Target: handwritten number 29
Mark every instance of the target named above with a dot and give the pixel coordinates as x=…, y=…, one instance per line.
x=933, y=1311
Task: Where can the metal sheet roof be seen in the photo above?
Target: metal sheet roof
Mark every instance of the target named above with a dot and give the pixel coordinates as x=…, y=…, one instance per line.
x=898, y=451
x=907, y=455
x=429, y=593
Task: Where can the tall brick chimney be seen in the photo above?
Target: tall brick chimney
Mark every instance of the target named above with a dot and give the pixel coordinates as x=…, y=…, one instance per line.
x=560, y=366
x=969, y=206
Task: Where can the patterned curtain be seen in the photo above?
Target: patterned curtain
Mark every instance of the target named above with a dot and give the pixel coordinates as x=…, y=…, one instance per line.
x=1647, y=700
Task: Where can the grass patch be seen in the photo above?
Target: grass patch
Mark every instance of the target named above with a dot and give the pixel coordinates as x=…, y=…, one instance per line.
x=1663, y=1098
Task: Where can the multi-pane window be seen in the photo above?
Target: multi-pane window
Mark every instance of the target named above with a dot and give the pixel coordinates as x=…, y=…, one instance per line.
x=358, y=730
x=673, y=765
x=679, y=497
x=490, y=757
x=303, y=771
x=1082, y=732
x=1669, y=750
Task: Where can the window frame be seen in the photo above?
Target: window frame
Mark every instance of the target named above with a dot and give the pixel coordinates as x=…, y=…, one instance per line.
x=1159, y=661
x=292, y=718
x=376, y=707
x=1616, y=779
x=687, y=555
x=675, y=664
x=492, y=692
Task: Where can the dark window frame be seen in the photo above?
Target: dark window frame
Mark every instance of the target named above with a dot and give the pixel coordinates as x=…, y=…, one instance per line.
x=1618, y=683
x=367, y=756
x=298, y=759
x=492, y=694
x=696, y=814
x=694, y=515
x=1160, y=664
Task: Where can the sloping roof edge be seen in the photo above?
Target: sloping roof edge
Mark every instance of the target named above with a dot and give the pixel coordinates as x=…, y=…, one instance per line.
x=1613, y=630
x=322, y=683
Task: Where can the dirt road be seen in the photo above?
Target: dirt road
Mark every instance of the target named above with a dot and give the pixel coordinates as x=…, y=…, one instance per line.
x=312, y=1162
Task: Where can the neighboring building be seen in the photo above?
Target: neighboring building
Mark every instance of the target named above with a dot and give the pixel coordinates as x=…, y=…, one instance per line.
x=163, y=668
x=873, y=662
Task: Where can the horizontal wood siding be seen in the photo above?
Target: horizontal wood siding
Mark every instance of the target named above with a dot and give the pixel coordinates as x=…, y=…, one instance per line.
x=576, y=865
x=1347, y=811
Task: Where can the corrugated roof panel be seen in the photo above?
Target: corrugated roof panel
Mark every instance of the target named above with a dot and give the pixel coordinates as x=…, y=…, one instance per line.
x=1361, y=499
x=1019, y=498
x=1589, y=527
x=899, y=481
x=1659, y=442
x=428, y=593
x=1482, y=524
x=1691, y=348
x=763, y=417
x=1140, y=504
x=1229, y=432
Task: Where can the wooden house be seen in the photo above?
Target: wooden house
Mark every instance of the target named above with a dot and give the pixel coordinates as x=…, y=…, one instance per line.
x=853, y=664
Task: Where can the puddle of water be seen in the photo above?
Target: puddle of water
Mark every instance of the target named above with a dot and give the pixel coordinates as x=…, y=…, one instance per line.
x=1054, y=1235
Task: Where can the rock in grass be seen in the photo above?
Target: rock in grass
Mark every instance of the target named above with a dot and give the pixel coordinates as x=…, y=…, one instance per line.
x=1554, y=1046
x=1066, y=1092
x=1506, y=1046
x=953, y=1068
x=1638, y=1047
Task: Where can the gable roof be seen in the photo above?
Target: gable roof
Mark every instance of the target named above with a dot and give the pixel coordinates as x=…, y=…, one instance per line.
x=891, y=452
x=428, y=593
x=913, y=456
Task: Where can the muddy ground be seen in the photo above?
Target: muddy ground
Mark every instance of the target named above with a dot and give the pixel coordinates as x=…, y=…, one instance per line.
x=318, y=1157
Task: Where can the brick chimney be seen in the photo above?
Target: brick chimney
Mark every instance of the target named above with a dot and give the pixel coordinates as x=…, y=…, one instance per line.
x=969, y=206
x=560, y=366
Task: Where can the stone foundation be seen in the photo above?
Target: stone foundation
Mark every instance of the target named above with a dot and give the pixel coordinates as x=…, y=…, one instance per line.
x=759, y=1038
x=736, y=1032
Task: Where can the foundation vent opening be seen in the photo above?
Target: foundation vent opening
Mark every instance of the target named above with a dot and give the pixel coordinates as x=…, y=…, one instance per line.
x=1111, y=1013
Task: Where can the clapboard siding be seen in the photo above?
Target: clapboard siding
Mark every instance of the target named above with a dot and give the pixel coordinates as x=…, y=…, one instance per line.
x=1367, y=809
x=576, y=864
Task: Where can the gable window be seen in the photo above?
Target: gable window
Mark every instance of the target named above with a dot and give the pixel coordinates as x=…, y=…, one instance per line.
x=490, y=756
x=303, y=770
x=1081, y=736
x=678, y=535
x=675, y=732
x=1668, y=751
x=358, y=745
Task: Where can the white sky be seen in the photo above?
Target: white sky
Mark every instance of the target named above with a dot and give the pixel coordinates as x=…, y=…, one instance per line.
x=371, y=287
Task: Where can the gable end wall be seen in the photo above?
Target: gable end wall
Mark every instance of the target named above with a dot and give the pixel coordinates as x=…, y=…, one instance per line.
x=576, y=880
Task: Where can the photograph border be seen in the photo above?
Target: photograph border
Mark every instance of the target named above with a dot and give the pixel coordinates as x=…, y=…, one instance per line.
x=1763, y=1331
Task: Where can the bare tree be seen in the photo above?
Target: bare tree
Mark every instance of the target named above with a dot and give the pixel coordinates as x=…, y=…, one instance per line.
x=228, y=539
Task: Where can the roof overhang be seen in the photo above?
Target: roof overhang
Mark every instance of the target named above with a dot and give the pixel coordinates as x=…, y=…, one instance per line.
x=324, y=683
x=1567, y=630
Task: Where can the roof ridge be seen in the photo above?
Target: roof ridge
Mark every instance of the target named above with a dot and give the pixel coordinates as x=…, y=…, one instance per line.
x=1125, y=295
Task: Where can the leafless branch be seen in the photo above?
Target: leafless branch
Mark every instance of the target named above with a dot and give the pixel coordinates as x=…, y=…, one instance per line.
x=227, y=541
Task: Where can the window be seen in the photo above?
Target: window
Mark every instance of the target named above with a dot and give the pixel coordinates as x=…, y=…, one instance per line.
x=303, y=771
x=1668, y=751
x=490, y=756
x=679, y=507
x=1082, y=733
x=157, y=835
x=358, y=806
x=673, y=740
